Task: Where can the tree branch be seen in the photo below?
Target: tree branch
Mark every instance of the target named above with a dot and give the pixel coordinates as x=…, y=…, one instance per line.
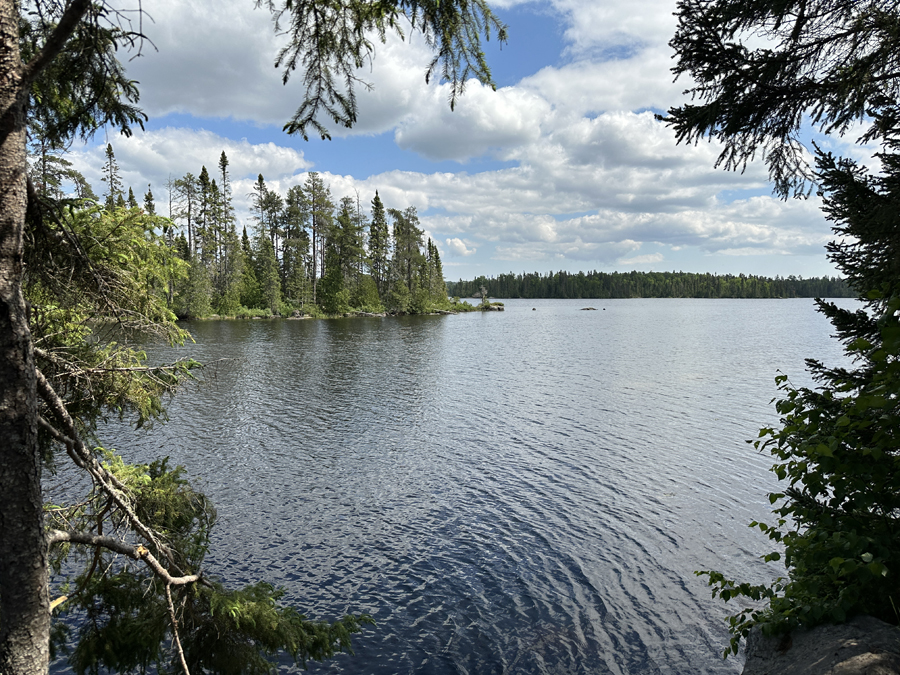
x=138, y=552
x=178, y=648
x=63, y=439
x=117, y=490
x=53, y=46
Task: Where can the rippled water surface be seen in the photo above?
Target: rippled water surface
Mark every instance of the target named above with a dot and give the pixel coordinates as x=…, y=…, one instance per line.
x=517, y=492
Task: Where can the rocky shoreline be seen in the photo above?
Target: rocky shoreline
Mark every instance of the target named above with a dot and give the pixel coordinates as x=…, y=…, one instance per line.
x=862, y=646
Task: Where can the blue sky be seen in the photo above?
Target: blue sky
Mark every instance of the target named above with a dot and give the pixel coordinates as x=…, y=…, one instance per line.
x=563, y=167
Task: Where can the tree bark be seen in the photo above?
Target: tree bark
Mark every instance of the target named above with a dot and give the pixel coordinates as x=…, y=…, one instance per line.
x=24, y=603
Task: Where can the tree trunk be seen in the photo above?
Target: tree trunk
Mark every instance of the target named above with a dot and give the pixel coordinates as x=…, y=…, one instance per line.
x=24, y=605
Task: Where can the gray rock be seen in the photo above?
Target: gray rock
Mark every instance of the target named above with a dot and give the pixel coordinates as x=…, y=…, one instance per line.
x=863, y=646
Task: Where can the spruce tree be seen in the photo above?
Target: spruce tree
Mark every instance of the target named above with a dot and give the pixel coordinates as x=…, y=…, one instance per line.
x=295, y=257
x=267, y=274
x=112, y=180
x=186, y=196
x=379, y=246
x=320, y=210
x=250, y=290
x=48, y=168
x=764, y=70
x=437, y=287
x=149, y=204
x=225, y=193
x=407, y=244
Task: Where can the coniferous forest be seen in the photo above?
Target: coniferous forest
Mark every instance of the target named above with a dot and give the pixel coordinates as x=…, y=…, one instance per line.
x=305, y=253
x=603, y=285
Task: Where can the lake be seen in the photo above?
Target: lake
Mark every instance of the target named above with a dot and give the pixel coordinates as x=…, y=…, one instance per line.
x=518, y=492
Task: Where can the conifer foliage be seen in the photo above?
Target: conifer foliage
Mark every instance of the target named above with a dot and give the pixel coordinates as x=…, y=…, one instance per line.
x=764, y=68
x=95, y=278
x=308, y=254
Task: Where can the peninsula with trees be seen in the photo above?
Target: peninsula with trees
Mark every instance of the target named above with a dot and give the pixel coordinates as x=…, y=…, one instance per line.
x=304, y=255
x=78, y=281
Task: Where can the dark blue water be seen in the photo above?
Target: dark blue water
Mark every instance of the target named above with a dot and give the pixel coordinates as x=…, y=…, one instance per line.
x=517, y=492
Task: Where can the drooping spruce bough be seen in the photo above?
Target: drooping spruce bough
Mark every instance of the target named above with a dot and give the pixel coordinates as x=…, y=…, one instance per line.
x=763, y=72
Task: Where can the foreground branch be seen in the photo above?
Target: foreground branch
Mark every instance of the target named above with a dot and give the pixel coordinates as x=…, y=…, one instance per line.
x=137, y=552
x=111, y=485
x=174, y=621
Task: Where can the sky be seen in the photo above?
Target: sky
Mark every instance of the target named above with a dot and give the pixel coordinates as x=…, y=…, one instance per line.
x=563, y=167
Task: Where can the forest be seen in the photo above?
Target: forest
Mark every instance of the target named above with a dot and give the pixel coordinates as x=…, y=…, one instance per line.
x=306, y=255
x=607, y=285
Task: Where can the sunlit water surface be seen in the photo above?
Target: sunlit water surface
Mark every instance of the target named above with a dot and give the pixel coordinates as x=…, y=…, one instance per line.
x=518, y=492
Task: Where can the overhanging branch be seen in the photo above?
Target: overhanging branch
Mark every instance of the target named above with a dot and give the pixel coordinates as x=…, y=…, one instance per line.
x=111, y=485
x=55, y=43
x=136, y=552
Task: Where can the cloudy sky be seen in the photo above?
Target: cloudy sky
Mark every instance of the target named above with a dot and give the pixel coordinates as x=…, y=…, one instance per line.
x=562, y=167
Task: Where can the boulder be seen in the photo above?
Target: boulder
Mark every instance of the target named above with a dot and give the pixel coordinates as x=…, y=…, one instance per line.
x=863, y=646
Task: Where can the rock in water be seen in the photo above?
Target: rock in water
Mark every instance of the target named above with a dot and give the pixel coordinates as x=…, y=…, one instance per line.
x=863, y=646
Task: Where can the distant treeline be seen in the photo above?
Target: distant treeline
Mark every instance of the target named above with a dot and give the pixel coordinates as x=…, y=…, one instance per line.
x=649, y=285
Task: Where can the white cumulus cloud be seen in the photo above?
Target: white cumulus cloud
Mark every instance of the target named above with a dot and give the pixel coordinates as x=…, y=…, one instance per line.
x=457, y=247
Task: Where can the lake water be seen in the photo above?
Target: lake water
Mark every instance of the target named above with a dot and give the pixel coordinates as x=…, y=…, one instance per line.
x=518, y=492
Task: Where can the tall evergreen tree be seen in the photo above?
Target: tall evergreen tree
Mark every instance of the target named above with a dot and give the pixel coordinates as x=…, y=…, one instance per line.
x=296, y=257
x=437, y=287
x=48, y=168
x=407, y=244
x=267, y=274
x=149, y=204
x=379, y=246
x=225, y=193
x=111, y=178
x=186, y=199
x=320, y=211
x=250, y=291
x=347, y=235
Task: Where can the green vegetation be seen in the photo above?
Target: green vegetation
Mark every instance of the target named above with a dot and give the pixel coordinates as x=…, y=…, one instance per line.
x=604, y=285
x=308, y=256
x=79, y=284
x=837, y=448
x=127, y=603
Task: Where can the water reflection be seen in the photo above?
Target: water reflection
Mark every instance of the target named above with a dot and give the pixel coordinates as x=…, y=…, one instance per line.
x=524, y=492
